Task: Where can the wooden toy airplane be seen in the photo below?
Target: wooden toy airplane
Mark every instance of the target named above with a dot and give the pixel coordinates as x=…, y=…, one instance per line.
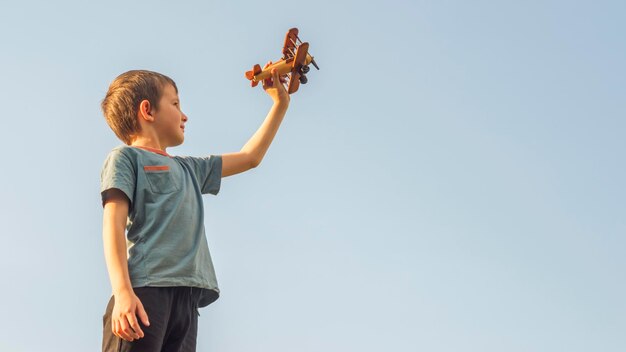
x=294, y=63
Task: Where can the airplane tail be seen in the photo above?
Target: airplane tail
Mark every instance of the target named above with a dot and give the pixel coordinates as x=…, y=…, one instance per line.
x=250, y=74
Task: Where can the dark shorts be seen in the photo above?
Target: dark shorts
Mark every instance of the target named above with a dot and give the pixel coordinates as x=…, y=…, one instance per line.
x=173, y=315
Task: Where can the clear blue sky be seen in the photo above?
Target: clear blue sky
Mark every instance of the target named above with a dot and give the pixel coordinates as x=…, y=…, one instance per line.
x=451, y=180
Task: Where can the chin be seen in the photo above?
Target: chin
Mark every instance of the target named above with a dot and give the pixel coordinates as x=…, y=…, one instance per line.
x=177, y=142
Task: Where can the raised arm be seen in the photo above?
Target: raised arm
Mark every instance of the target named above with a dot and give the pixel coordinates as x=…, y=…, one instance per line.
x=252, y=153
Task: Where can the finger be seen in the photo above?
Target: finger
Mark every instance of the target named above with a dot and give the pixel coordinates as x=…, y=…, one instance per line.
x=273, y=78
x=275, y=75
x=124, y=330
x=280, y=78
x=115, y=328
x=136, y=332
x=267, y=83
x=141, y=312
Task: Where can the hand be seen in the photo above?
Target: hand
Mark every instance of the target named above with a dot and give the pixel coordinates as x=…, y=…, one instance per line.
x=277, y=92
x=124, y=316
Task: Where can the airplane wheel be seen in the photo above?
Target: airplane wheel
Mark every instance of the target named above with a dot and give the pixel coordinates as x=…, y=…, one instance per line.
x=303, y=79
x=305, y=69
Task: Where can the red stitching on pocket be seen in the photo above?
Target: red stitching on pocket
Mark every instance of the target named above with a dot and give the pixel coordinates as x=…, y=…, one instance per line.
x=156, y=168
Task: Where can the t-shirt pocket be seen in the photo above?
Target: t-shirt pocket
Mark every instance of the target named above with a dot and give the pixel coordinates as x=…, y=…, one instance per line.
x=160, y=178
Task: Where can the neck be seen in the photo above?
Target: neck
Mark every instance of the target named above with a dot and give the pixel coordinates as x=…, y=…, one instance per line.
x=147, y=142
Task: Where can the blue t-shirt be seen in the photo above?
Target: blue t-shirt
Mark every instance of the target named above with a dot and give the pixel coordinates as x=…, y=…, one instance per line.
x=166, y=242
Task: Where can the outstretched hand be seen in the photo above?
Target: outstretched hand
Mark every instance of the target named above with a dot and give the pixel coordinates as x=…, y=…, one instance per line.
x=277, y=92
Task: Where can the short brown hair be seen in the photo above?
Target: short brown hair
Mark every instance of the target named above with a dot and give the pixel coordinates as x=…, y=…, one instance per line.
x=128, y=90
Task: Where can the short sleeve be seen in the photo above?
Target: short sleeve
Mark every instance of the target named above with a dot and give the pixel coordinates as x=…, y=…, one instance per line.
x=208, y=171
x=118, y=172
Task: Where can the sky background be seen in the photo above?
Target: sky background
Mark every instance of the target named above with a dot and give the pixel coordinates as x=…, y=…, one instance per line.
x=452, y=179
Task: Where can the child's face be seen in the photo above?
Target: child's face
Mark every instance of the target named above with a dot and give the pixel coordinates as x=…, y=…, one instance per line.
x=169, y=120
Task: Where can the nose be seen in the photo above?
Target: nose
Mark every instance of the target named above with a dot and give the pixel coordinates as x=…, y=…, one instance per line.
x=185, y=118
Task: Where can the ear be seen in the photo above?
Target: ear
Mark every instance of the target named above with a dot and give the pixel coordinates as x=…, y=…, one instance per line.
x=145, y=111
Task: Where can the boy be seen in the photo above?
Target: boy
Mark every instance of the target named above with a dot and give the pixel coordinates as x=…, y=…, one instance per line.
x=153, y=232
